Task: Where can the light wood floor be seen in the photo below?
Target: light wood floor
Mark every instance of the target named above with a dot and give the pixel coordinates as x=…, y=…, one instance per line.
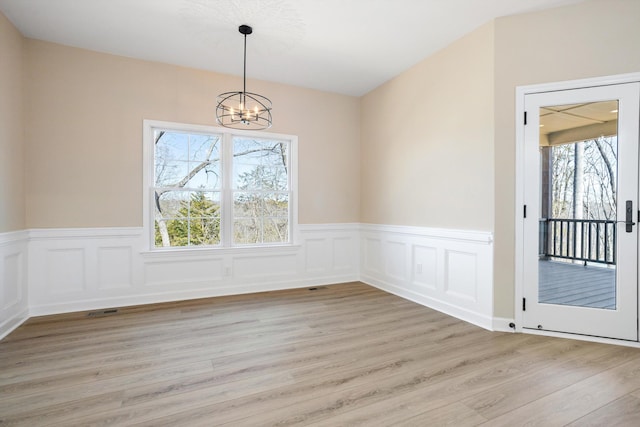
x=341, y=355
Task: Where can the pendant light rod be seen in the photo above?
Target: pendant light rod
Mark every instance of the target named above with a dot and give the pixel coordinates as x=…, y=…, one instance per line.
x=244, y=71
x=246, y=30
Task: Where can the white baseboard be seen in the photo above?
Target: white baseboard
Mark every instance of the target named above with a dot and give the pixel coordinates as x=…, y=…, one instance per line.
x=11, y=323
x=160, y=297
x=502, y=324
x=477, y=319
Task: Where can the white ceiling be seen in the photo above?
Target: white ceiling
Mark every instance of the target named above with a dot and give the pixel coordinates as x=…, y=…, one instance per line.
x=344, y=46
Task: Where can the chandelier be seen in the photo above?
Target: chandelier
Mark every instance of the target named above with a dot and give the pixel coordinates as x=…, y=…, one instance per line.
x=244, y=110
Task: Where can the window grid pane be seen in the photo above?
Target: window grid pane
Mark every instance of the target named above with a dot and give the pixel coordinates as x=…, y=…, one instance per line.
x=260, y=191
x=187, y=197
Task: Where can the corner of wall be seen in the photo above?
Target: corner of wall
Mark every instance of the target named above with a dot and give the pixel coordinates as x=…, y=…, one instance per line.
x=14, y=307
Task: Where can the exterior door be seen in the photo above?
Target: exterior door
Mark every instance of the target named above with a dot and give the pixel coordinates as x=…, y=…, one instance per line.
x=581, y=205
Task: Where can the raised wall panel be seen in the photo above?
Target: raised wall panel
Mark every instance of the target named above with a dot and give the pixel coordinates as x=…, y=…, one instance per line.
x=114, y=267
x=372, y=255
x=425, y=266
x=343, y=253
x=65, y=270
x=396, y=260
x=461, y=275
x=254, y=267
x=316, y=260
x=179, y=271
x=11, y=280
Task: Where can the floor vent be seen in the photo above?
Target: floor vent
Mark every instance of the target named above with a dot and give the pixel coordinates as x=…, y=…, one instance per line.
x=105, y=312
x=317, y=288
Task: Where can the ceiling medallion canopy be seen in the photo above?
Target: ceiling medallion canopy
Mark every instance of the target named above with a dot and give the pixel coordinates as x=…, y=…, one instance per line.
x=242, y=109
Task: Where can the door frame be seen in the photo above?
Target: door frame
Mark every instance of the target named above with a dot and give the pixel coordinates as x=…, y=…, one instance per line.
x=521, y=92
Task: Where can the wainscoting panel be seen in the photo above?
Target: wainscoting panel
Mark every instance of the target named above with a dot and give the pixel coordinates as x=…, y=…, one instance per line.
x=461, y=277
x=115, y=267
x=48, y=271
x=256, y=267
x=178, y=272
x=345, y=254
x=330, y=253
x=395, y=255
x=316, y=260
x=425, y=270
x=372, y=256
x=14, y=308
x=85, y=269
x=65, y=270
x=448, y=270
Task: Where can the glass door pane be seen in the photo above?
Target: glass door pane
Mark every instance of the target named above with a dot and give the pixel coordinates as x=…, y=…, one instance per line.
x=578, y=182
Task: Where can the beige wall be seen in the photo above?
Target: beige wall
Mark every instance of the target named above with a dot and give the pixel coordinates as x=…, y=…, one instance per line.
x=11, y=126
x=590, y=39
x=84, y=113
x=427, y=141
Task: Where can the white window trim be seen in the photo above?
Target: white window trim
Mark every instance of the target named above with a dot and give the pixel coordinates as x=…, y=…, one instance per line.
x=148, y=184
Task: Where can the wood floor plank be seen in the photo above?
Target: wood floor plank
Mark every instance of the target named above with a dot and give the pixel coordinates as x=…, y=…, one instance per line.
x=70, y=408
x=345, y=354
x=577, y=400
x=63, y=390
x=455, y=414
x=582, y=362
x=624, y=411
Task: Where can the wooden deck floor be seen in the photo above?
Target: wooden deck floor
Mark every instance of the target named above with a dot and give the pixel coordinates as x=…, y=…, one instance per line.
x=341, y=355
x=573, y=284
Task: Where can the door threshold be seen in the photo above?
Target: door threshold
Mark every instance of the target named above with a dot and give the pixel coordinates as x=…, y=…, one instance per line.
x=579, y=337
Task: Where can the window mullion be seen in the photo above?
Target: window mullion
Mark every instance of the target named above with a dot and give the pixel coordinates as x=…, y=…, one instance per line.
x=227, y=190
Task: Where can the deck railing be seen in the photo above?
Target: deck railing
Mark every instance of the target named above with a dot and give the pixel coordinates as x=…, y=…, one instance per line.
x=578, y=239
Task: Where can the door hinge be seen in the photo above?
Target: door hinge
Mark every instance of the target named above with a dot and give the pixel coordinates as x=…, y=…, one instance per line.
x=525, y=118
x=525, y=211
x=524, y=304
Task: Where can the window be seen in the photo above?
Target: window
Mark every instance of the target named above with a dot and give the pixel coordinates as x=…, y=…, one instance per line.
x=260, y=191
x=208, y=187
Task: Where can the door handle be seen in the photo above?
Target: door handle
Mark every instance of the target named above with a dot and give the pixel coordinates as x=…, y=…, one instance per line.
x=628, y=223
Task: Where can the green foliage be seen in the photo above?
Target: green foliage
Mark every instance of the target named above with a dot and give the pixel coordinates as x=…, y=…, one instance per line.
x=197, y=223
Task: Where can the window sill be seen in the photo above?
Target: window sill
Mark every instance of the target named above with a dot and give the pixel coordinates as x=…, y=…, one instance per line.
x=217, y=251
